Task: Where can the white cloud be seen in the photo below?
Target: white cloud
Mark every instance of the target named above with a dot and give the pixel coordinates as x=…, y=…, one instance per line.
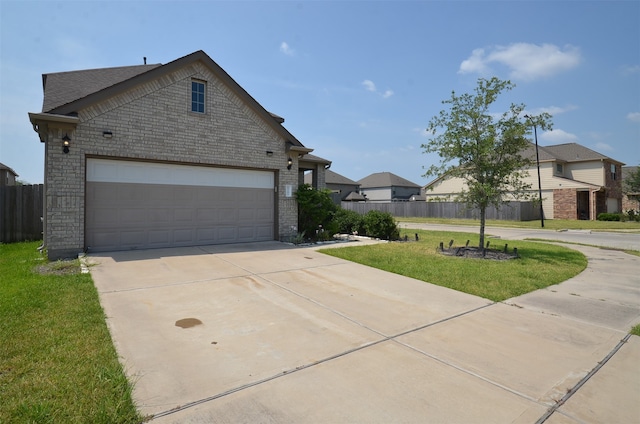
x=552, y=110
x=369, y=85
x=603, y=147
x=633, y=116
x=558, y=137
x=631, y=69
x=284, y=48
x=525, y=61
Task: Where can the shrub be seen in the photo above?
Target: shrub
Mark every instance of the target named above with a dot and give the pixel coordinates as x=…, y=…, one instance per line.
x=316, y=211
x=633, y=215
x=381, y=225
x=349, y=222
x=608, y=217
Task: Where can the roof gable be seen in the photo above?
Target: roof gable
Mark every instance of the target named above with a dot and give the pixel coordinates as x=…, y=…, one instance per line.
x=111, y=79
x=385, y=179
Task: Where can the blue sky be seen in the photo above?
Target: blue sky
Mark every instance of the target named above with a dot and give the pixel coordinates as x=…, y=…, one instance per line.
x=357, y=81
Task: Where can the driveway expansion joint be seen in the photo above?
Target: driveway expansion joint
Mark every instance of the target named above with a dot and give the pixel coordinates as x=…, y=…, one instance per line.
x=327, y=359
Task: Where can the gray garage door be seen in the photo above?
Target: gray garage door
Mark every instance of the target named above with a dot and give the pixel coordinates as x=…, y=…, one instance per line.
x=137, y=205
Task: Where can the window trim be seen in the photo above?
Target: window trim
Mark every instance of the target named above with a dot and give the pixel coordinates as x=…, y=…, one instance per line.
x=198, y=106
x=559, y=169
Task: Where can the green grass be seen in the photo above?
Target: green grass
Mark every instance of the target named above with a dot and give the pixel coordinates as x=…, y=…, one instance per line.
x=540, y=265
x=550, y=224
x=636, y=330
x=57, y=360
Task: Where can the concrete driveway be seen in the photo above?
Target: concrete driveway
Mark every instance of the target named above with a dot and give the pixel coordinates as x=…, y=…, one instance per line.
x=269, y=332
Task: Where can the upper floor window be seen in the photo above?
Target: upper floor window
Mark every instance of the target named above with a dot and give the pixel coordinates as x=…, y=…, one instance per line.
x=197, y=96
x=613, y=171
x=559, y=168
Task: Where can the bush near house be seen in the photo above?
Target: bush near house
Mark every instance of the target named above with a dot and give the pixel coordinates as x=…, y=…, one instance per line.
x=608, y=217
x=319, y=218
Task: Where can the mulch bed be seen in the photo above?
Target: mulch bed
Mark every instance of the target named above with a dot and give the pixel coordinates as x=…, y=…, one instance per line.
x=476, y=253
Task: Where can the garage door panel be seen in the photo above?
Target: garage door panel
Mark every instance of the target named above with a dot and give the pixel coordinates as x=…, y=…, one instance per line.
x=159, y=238
x=264, y=232
x=160, y=215
x=206, y=235
x=125, y=214
x=131, y=192
x=132, y=238
x=228, y=234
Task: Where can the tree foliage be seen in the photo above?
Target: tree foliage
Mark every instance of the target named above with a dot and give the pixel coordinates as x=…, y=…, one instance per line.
x=315, y=213
x=631, y=184
x=484, y=149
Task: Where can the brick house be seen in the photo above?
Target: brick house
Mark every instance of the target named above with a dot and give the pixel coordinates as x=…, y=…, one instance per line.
x=576, y=182
x=153, y=156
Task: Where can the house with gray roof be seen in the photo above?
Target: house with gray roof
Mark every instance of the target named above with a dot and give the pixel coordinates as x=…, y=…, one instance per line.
x=341, y=187
x=164, y=155
x=387, y=187
x=576, y=182
x=7, y=175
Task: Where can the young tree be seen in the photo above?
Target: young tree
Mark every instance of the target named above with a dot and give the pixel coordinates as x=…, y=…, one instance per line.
x=631, y=185
x=482, y=148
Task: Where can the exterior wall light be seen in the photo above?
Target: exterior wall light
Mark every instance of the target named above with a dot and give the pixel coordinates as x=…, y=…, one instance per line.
x=65, y=143
x=289, y=163
x=269, y=153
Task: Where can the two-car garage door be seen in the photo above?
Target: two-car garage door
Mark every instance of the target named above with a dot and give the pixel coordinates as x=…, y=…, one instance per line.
x=139, y=205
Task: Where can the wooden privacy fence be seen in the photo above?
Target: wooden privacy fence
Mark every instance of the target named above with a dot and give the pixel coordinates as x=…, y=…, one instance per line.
x=511, y=211
x=21, y=209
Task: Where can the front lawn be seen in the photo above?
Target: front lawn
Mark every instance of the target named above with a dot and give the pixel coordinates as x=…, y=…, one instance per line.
x=540, y=265
x=57, y=360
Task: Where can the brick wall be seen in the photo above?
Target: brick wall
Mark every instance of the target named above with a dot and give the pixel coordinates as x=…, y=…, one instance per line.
x=153, y=121
x=613, y=187
x=565, y=203
x=630, y=203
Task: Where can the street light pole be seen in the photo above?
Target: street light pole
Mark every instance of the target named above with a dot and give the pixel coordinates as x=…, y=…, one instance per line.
x=535, y=133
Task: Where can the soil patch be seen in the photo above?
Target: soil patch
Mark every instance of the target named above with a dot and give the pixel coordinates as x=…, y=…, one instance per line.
x=69, y=267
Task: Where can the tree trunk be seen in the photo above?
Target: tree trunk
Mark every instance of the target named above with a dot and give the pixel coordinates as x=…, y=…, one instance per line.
x=482, y=221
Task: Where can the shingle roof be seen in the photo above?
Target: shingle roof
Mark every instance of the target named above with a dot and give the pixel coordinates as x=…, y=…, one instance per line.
x=385, y=179
x=67, y=92
x=568, y=152
x=65, y=87
x=354, y=196
x=315, y=159
x=335, y=178
x=574, y=152
x=5, y=167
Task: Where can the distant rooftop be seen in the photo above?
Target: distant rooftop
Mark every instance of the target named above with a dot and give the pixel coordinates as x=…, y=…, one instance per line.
x=385, y=179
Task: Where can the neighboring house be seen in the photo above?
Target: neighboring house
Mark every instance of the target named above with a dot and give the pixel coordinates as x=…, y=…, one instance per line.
x=630, y=200
x=577, y=182
x=7, y=176
x=167, y=155
x=340, y=186
x=387, y=187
